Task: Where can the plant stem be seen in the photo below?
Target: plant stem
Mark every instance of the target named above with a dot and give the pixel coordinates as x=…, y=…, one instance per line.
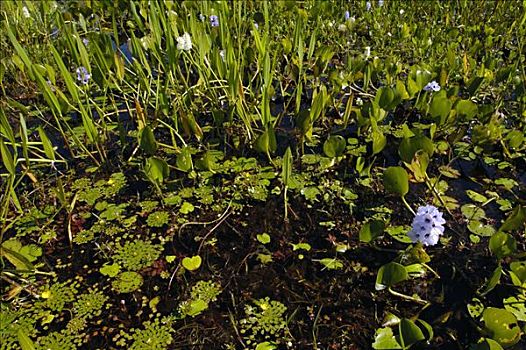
x=408, y=206
x=407, y=297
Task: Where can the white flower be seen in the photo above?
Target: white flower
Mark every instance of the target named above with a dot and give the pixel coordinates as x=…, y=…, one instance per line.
x=184, y=42
x=359, y=102
x=402, y=11
x=380, y=3
x=368, y=6
x=222, y=54
x=342, y=27
x=367, y=51
x=25, y=12
x=427, y=226
x=432, y=86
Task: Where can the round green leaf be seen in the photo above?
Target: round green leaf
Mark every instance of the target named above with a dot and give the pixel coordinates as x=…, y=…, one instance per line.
x=502, y=326
x=370, y=230
x=502, y=244
x=396, y=180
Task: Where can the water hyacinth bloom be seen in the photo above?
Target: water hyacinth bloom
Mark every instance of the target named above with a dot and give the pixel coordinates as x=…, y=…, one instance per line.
x=427, y=226
x=432, y=86
x=347, y=15
x=214, y=21
x=368, y=6
x=83, y=75
x=184, y=42
x=201, y=17
x=85, y=42
x=380, y=3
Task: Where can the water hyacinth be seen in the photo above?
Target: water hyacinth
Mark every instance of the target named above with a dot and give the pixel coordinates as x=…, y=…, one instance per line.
x=432, y=86
x=83, y=76
x=184, y=42
x=85, y=42
x=214, y=21
x=380, y=3
x=427, y=226
x=347, y=15
x=368, y=6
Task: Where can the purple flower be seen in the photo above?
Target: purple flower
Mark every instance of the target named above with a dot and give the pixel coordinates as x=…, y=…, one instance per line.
x=427, y=225
x=85, y=42
x=368, y=6
x=83, y=75
x=432, y=86
x=347, y=15
x=214, y=21
x=380, y=3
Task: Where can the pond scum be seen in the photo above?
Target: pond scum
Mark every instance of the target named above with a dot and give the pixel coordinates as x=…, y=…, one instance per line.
x=263, y=174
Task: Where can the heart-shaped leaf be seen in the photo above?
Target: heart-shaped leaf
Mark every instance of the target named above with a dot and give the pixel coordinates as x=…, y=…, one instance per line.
x=192, y=263
x=502, y=244
x=410, y=333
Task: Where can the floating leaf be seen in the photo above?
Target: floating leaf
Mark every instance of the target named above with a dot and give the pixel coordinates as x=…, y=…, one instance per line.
x=110, y=270
x=486, y=344
x=266, y=346
x=410, y=145
x=440, y=108
x=156, y=169
x=396, y=180
x=184, y=160
x=192, y=263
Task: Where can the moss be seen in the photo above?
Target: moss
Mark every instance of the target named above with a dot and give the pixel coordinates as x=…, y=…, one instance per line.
x=11, y=321
x=58, y=341
x=59, y=295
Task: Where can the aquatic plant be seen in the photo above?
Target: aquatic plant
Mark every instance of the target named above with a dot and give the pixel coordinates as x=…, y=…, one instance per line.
x=136, y=254
x=127, y=282
x=156, y=334
x=90, y=305
x=266, y=319
x=158, y=219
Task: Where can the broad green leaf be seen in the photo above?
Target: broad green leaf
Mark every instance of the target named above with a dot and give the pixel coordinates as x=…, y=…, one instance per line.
x=110, y=270
x=156, y=169
x=410, y=333
x=384, y=339
x=493, y=281
x=334, y=146
x=502, y=326
x=440, y=108
x=184, y=160
x=192, y=263
x=371, y=229
x=517, y=306
x=502, y=244
x=147, y=141
x=195, y=307
x=409, y=146
x=515, y=220
x=379, y=141
x=466, y=109
x=390, y=274
x=266, y=142
x=396, y=180
x=7, y=158
x=519, y=268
